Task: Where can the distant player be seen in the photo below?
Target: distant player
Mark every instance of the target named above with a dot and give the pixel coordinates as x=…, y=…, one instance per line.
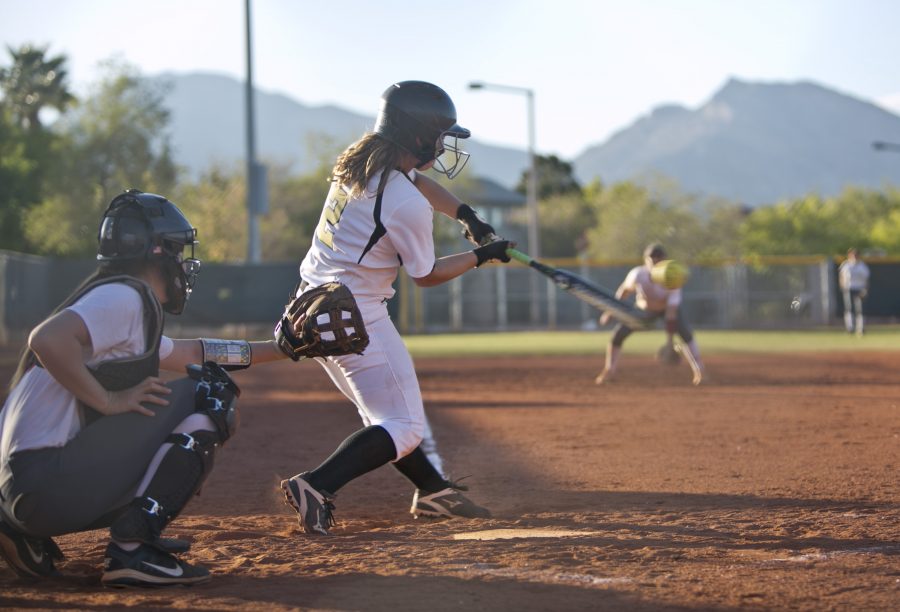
x=656, y=299
x=376, y=219
x=853, y=277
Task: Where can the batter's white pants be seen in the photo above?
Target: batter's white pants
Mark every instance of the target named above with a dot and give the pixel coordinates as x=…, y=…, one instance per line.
x=382, y=384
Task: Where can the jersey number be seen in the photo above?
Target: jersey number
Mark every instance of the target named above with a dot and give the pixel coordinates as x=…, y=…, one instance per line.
x=331, y=215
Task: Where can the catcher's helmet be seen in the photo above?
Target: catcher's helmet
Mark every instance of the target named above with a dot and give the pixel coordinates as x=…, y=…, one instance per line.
x=145, y=226
x=421, y=118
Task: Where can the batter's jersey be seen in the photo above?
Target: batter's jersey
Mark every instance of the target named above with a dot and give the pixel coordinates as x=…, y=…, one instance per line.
x=363, y=241
x=649, y=295
x=854, y=276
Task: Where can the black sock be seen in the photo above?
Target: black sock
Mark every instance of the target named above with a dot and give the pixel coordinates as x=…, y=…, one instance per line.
x=419, y=470
x=361, y=452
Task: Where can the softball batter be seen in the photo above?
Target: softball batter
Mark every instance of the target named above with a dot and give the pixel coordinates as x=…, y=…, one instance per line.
x=654, y=298
x=378, y=217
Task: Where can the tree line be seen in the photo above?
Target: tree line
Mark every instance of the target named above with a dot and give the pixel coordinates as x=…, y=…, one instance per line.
x=62, y=159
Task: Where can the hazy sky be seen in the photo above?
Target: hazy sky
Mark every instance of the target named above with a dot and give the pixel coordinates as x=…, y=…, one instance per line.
x=595, y=65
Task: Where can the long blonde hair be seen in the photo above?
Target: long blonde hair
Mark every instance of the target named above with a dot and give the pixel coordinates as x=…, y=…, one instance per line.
x=362, y=160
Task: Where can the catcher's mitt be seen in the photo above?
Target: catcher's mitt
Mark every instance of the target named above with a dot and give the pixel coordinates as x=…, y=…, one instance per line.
x=668, y=355
x=323, y=321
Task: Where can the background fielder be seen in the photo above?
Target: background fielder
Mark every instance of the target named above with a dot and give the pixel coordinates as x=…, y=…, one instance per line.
x=378, y=217
x=853, y=278
x=655, y=299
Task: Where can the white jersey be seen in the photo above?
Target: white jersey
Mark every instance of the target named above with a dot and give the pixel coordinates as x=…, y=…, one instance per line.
x=363, y=245
x=40, y=412
x=650, y=296
x=854, y=275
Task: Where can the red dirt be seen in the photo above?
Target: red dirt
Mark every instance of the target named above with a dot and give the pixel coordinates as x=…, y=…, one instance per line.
x=772, y=487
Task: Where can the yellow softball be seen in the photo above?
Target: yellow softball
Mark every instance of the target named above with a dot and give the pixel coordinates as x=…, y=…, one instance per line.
x=670, y=274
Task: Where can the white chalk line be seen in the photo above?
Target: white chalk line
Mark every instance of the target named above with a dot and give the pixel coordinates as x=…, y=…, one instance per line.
x=824, y=556
x=541, y=576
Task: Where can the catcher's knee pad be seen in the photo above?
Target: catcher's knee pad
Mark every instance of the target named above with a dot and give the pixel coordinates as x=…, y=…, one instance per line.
x=216, y=396
x=179, y=476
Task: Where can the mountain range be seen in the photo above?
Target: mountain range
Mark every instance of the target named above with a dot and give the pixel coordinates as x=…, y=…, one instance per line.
x=752, y=142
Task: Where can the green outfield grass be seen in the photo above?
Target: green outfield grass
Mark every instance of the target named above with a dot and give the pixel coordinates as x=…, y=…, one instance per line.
x=878, y=338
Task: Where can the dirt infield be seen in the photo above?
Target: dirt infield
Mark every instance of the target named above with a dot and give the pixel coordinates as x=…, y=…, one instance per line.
x=774, y=486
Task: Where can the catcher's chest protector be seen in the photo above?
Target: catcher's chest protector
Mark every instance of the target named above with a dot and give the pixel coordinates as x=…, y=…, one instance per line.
x=125, y=372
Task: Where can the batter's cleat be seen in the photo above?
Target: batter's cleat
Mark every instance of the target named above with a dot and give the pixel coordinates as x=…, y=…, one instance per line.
x=446, y=503
x=29, y=557
x=147, y=566
x=314, y=507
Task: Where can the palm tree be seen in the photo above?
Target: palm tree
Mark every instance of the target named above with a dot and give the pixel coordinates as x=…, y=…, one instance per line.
x=34, y=82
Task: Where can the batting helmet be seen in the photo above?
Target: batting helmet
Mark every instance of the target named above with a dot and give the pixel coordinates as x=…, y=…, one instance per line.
x=421, y=118
x=145, y=226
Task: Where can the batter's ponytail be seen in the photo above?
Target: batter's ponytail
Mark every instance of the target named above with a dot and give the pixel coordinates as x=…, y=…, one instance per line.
x=362, y=160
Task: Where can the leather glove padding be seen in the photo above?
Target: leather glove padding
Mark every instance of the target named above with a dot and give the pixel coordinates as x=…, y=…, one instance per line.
x=322, y=322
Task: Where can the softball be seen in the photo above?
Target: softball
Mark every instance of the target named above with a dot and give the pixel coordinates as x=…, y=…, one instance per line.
x=670, y=274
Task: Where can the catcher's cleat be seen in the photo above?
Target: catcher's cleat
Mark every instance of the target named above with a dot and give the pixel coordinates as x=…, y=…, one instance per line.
x=314, y=507
x=446, y=503
x=29, y=557
x=147, y=566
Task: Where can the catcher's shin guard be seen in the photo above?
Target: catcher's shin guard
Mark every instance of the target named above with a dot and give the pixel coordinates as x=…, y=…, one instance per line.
x=188, y=461
x=179, y=476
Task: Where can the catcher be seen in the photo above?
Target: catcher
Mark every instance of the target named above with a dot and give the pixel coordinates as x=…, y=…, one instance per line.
x=663, y=303
x=376, y=218
x=91, y=437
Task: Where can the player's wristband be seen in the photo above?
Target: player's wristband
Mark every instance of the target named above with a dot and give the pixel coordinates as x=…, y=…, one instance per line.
x=230, y=354
x=465, y=213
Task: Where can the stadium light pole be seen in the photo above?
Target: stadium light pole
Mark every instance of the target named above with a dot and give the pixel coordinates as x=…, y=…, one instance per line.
x=253, y=207
x=534, y=244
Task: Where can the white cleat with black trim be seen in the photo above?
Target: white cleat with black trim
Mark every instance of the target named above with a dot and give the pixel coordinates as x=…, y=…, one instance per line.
x=446, y=503
x=314, y=507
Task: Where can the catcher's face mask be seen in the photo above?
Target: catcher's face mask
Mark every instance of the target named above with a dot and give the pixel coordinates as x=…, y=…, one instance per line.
x=180, y=272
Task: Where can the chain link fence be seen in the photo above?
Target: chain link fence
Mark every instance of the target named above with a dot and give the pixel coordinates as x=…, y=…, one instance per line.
x=786, y=292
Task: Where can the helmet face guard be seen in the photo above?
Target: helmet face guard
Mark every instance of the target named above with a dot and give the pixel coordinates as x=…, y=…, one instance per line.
x=181, y=272
x=449, y=159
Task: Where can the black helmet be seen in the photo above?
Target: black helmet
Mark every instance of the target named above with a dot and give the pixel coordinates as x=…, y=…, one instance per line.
x=135, y=222
x=421, y=118
x=145, y=226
